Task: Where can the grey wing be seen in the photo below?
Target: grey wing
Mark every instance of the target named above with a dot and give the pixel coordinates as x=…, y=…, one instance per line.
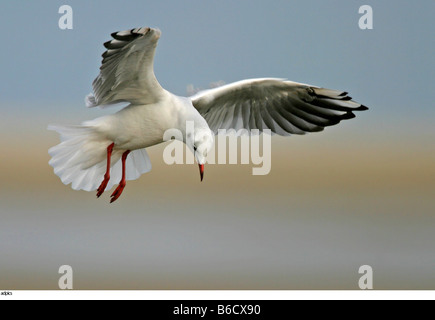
x=127, y=72
x=284, y=107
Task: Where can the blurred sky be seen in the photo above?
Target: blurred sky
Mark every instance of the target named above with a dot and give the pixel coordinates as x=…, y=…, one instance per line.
x=359, y=193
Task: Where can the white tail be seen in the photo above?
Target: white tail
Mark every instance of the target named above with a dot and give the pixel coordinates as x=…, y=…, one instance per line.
x=81, y=157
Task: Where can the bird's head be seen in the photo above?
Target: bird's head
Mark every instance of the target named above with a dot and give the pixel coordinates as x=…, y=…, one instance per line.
x=200, y=143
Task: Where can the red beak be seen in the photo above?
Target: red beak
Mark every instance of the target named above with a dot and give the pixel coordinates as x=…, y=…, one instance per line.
x=201, y=171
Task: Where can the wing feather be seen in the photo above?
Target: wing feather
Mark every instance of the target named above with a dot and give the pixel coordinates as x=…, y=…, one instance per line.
x=245, y=114
x=127, y=72
x=267, y=118
x=284, y=107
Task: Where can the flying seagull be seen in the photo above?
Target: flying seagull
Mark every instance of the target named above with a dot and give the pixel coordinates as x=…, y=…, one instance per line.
x=100, y=152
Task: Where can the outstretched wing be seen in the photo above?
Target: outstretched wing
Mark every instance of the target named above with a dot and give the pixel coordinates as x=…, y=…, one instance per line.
x=126, y=73
x=284, y=107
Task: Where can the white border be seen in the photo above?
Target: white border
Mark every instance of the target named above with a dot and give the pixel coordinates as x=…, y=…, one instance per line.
x=218, y=295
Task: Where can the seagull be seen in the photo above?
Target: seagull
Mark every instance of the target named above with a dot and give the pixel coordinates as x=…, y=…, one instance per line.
x=95, y=155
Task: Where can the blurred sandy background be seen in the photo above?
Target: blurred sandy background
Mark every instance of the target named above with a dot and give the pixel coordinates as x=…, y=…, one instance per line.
x=332, y=203
x=361, y=193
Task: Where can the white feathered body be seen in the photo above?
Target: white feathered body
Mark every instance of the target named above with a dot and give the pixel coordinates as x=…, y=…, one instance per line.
x=142, y=126
x=81, y=157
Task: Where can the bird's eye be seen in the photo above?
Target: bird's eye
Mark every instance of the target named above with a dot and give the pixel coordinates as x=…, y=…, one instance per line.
x=194, y=148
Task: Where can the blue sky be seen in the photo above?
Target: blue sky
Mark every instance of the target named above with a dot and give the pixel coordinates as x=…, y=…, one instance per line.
x=390, y=68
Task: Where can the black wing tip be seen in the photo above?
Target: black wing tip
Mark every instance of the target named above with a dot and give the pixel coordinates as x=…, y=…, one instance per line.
x=317, y=129
x=127, y=35
x=107, y=44
x=349, y=115
x=106, y=54
x=343, y=96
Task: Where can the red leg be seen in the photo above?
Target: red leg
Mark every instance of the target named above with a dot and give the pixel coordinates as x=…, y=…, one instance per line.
x=103, y=185
x=117, y=193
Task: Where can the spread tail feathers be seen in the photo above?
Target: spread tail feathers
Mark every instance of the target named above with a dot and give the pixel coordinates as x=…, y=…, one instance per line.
x=81, y=157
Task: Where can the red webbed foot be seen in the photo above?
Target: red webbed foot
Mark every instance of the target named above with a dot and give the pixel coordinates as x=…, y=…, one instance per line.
x=117, y=193
x=103, y=186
